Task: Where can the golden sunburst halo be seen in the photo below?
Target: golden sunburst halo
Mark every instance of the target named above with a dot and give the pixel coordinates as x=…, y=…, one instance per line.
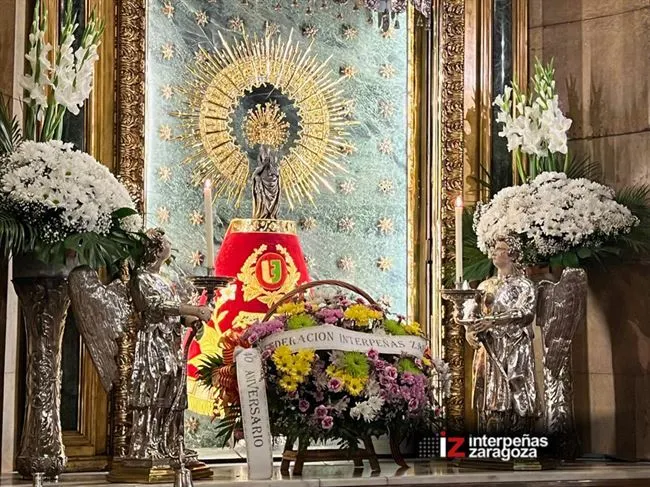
x=213, y=93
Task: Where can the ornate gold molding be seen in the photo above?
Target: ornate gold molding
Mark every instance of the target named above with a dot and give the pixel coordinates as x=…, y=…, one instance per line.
x=131, y=56
x=239, y=225
x=452, y=32
x=437, y=161
x=416, y=157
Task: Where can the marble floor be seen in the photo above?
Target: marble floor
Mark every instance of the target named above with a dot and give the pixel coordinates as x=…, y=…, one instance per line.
x=582, y=474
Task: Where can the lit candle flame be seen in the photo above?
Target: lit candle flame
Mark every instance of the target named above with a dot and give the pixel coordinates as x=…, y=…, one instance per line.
x=208, y=184
x=459, y=202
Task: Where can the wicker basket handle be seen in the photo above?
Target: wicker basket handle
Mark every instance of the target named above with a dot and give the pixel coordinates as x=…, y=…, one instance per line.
x=308, y=285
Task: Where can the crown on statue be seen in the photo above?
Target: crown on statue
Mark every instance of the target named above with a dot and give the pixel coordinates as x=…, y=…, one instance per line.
x=266, y=125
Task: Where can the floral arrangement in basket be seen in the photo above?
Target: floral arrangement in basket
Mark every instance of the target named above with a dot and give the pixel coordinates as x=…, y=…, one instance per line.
x=55, y=200
x=319, y=395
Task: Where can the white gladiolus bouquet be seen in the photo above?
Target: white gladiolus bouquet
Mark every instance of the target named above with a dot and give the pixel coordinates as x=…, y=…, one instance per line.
x=62, y=82
x=534, y=125
x=553, y=219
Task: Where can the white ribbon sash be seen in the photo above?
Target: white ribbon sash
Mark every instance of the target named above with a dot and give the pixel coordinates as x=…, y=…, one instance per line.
x=255, y=414
x=329, y=337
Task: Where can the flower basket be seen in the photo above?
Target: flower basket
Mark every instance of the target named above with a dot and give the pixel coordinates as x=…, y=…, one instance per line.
x=377, y=379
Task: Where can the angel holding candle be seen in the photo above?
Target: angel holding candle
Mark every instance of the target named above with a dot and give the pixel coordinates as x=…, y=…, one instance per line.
x=504, y=388
x=151, y=306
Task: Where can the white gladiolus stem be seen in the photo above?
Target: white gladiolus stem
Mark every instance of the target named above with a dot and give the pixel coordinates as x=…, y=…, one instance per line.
x=54, y=89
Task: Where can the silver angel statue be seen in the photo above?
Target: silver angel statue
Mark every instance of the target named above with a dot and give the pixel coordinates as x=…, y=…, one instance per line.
x=152, y=305
x=501, y=332
x=266, y=185
x=561, y=309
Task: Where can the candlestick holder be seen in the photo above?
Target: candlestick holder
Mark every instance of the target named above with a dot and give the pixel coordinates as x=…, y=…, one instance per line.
x=459, y=297
x=210, y=284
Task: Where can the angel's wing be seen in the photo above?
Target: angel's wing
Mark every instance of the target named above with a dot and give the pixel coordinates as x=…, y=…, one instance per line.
x=561, y=307
x=101, y=313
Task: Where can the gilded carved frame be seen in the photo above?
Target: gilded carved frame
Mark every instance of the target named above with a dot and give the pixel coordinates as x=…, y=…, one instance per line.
x=437, y=159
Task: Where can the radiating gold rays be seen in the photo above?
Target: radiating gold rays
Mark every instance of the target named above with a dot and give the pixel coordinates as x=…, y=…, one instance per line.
x=214, y=89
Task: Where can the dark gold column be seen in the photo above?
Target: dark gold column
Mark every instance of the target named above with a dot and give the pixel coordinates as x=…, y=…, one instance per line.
x=450, y=170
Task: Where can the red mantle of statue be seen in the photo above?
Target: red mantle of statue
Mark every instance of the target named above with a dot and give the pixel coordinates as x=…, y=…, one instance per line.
x=265, y=259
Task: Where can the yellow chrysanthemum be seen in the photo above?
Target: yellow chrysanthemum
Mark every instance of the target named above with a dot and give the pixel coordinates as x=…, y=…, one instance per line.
x=361, y=314
x=355, y=385
x=288, y=385
x=413, y=328
x=291, y=309
x=426, y=362
x=294, y=367
x=283, y=352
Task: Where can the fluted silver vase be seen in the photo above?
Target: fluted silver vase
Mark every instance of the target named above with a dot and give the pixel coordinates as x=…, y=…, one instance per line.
x=44, y=300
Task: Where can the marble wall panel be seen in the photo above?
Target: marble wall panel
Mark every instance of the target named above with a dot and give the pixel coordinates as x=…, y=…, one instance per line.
x=601, y=56
x=535, y=13
x=602, y=69
x=563, y=11
x=624, y=158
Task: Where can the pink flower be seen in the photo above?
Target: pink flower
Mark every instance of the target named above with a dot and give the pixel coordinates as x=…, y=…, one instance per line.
x=413, y=404
x=335, y=385
x=321, y=411
x=329, y=315
x=391, y=372
x=380, y=364
x=268, y=352
x=408, y=379
x=303, y=406
x=373, y=354
x=327, y=422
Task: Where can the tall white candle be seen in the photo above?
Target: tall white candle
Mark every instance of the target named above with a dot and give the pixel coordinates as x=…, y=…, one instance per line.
x=459, y=240
x=209, y=230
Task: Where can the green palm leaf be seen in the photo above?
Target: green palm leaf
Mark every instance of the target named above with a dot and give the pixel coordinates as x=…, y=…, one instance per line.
x=15, y=236
x=583, y=168
x=637, y=199
x=10, y=133
x=207, y=366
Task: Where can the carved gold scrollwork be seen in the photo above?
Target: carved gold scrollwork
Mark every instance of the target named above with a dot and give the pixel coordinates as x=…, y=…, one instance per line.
x=452, y=22
x=131, y=44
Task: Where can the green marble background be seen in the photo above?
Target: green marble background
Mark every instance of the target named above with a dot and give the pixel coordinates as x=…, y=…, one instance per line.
x=326, y=244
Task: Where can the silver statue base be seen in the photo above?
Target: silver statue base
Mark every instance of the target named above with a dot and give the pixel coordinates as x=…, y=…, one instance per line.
x=154, y=471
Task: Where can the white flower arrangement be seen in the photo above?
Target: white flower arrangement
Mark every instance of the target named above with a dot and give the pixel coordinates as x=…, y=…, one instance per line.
x=368, y=410
x=62, y=191
x=551, y=215
x=534, y=125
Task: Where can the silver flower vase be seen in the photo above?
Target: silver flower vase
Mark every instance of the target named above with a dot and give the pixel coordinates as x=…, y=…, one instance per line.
x=43, y=294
